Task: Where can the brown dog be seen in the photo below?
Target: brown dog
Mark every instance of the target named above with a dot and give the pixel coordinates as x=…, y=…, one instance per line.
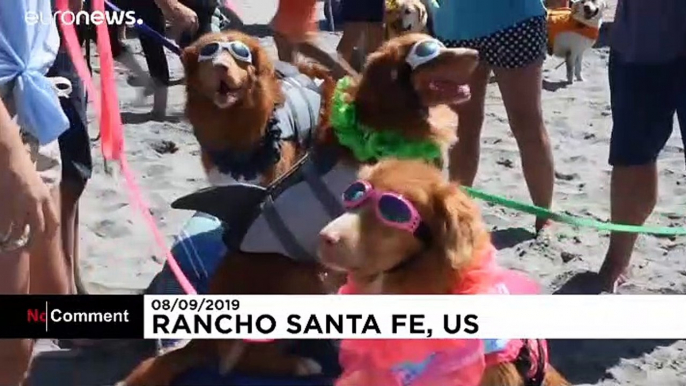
x=252, y=121
x=394, y=95
x=434, y=243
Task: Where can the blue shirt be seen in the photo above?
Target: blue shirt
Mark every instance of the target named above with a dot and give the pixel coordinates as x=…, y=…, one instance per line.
x=649, y=31
x=28, y=46
x=470, y=19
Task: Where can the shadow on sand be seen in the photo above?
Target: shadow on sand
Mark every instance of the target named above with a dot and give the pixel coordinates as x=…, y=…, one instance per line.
x=588, y=361
x=510, y=237
x=138, y=118
x=257, y=30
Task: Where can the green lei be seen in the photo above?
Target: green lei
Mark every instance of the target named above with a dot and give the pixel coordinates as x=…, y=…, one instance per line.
x=368, y=144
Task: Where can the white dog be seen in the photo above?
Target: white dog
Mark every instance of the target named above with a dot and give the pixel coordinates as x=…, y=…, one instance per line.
x=572, y=31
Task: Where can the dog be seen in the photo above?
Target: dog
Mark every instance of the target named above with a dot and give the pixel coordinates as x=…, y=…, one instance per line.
x=252, y=117
x=405, y=16
x=428, y=238
x=572, y=31
x=394, y=108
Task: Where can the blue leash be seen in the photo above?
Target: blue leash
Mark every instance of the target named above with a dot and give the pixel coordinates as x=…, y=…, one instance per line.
x=143, y=28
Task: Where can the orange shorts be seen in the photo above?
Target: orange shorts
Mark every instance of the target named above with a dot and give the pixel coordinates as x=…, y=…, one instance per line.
x=295, y=19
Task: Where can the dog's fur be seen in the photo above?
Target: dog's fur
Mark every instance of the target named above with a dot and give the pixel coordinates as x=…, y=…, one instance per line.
x=386, y=74
x=405, y=16
x=236, y=120
x=382, y=260
x=580, y=26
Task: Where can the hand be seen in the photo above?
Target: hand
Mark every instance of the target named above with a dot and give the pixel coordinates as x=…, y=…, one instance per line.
x=182, y=18
x=27, y=201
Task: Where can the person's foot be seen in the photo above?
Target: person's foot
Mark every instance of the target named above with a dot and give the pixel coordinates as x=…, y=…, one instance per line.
x=610, y=284
x=545, y=230
x=542, y=224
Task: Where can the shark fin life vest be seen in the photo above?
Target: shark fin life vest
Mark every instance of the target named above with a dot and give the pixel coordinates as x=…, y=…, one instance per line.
x=284, y=217
x=289, y=221
x=299, y=116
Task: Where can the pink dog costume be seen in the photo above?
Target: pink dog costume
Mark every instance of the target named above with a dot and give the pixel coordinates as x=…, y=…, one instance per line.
x=457, y=362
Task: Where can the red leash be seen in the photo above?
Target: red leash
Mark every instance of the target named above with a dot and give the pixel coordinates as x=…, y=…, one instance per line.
x=111, y=130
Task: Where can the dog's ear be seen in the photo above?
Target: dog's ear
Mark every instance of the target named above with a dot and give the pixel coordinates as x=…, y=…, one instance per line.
x=381, y=73
x=462, y=231
x=423, y=16
x=189, y=58
x=262, y=62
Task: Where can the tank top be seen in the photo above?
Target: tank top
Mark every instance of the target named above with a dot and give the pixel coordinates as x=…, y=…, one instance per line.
x=471, y=19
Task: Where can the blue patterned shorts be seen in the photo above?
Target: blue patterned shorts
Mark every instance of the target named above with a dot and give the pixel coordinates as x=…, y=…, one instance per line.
x=513, y=47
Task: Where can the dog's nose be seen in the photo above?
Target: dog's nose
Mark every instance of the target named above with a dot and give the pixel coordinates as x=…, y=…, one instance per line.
x=588, y=8
x=330, y=238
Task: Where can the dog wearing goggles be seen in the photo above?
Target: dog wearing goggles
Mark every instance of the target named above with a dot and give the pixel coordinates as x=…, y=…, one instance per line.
x=402, y=92
x=407, y=230
x=238, y=104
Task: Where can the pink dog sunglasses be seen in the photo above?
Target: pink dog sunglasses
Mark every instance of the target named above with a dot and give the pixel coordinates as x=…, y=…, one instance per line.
x=391, y=209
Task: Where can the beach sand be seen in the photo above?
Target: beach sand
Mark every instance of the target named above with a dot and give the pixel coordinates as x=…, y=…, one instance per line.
x=119, y=255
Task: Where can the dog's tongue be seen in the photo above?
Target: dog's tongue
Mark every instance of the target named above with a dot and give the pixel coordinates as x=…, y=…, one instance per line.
x=224, y=100
x=451, y=90
x=225, y=97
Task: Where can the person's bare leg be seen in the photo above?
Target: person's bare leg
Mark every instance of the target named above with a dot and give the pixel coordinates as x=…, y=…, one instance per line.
x=15, y=354
x=338, y=66
x=47, y=265
x=352, y=34
x=464, y=156
x=37, y=270
x=70, y=194
x=521, y=92
x=633, y=194
x=374, y=37
x=285, y=50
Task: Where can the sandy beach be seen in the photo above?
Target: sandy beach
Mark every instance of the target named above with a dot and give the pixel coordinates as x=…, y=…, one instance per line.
x=119, y=254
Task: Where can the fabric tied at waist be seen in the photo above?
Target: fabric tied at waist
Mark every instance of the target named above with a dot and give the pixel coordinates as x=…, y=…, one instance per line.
x=29, y=43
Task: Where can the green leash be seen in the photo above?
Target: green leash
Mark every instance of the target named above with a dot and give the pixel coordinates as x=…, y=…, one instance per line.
x=572, y=220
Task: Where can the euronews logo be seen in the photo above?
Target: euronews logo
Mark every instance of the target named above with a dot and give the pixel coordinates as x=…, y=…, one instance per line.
x=127, y=18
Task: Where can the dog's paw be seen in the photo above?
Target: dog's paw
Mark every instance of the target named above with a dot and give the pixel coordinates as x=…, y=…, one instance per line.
x=579, y=78
x=307, y=366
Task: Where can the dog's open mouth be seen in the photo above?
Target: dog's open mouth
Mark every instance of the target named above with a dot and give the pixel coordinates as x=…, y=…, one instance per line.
x=226, y=96
x=590, y=13
x=450, y=92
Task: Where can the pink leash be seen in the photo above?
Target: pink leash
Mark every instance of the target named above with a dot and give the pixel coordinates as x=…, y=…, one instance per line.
x=111, y=129
x=230, y=5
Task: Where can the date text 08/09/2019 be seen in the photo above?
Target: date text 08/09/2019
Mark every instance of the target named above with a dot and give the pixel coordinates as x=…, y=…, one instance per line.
x=265, y=324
